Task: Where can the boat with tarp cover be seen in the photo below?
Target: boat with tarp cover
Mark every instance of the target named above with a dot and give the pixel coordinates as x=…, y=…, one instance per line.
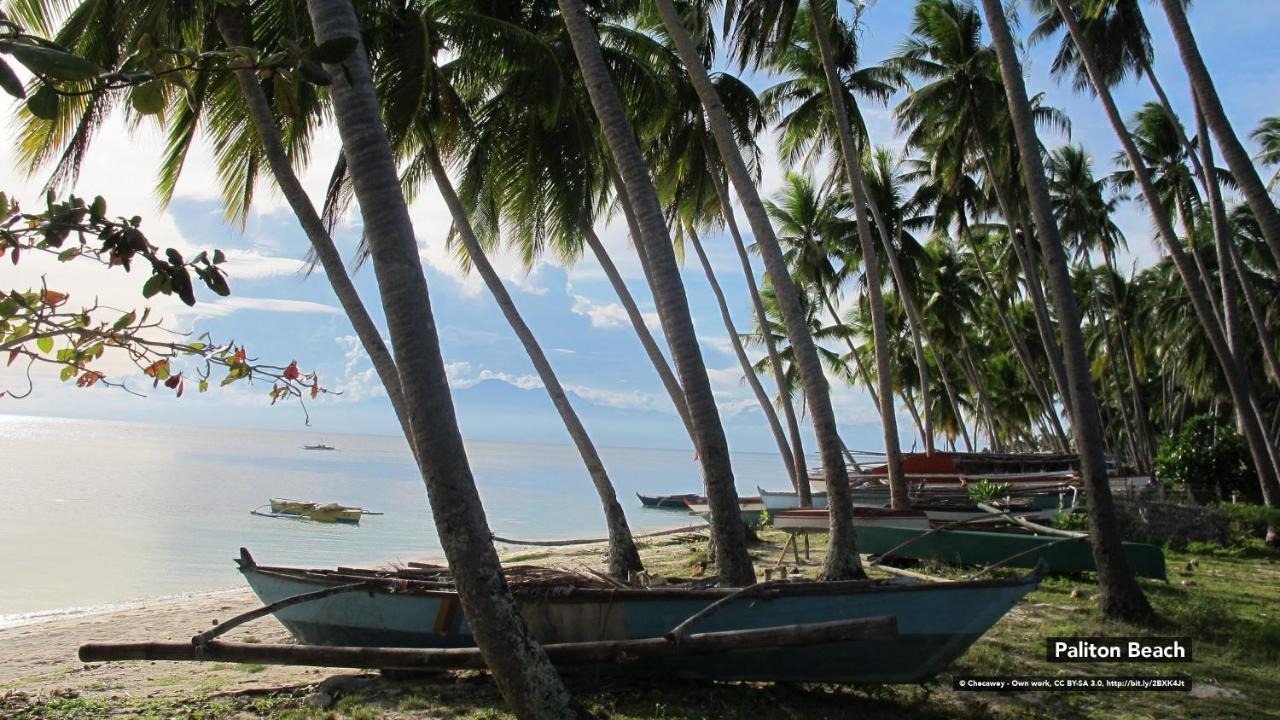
x=416, y=607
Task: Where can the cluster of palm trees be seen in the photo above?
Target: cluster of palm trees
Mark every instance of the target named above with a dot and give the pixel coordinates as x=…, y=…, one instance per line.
x=972, y=280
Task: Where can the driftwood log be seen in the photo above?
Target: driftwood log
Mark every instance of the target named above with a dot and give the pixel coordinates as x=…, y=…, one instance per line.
x=607, y=651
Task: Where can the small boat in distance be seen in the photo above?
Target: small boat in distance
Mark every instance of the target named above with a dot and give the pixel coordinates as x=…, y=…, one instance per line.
x=318, y=512
x=319, y=446
x=666, y=502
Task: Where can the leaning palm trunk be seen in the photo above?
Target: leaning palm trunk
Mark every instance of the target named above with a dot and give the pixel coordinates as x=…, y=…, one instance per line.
x=1142, y=415
x=728, y=532
x=762, y=397
x=800, y=476
x=519, y=665
x=858, y=187
x=623, y=556
x=842, y=558
x=647, y=341
x=1241, y=166
x=1031, y=277
x=1237, y=378
x=1015, y=340
x=230, y=27
x=1104, y=324
x=1122, y=597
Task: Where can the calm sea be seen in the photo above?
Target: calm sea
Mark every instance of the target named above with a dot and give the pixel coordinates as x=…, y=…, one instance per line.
x=101, y=513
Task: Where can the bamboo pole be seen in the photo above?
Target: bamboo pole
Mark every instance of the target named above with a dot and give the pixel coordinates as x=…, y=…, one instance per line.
x=605, y=651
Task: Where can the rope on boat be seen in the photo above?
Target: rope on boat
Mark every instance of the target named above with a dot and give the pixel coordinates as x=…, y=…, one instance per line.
x=592, y=541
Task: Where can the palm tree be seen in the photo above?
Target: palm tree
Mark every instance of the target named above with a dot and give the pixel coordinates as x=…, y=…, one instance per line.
x=1233, y=152
x=1121, y=595
x=673, y=308
x=1084, y=217
x=519, y=665
x=961, y=108
x=1268, y=136
x=1237, y=379
x=842, y=560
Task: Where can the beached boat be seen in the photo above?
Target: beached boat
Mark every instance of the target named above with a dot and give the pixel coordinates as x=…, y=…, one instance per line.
x=940, y=506
x=820, y=518
x=1012, y=549
x=752, y=508
x=409, y=608
x=318, y=512
x=666, y=502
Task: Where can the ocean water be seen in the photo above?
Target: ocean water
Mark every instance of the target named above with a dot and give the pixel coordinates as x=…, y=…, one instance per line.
x=104, y=513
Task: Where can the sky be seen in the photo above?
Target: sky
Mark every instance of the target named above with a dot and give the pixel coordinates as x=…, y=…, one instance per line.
x=280, y=314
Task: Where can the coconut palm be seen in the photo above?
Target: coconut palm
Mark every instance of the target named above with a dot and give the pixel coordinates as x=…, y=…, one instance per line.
x=842, y=560
x=1121, y=595
x=519, y=665
x=1237, y=379
x=673, y=308
x=1267, y=135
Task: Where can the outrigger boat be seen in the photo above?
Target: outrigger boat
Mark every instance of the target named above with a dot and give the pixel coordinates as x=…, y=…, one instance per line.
x=752, y=509
x=318, y=512
x=416, y=607
x=949, y=507
x=667, y=502
x=820, y=518
x=319, y=446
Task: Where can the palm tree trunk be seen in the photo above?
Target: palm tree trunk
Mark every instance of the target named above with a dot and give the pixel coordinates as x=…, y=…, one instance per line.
x=770, y=416
x=858, y=186
x=1019, y=347
x=520, y=667
x=954, y=402
x=842, y=560
x=1030, y=275
x=1237, y=378
x=230, y=26
x=1142, y=414
x=1100, y=314
x=1238, y=160
x=860, y=368
x=801, y=472
x=970, y=369
x=647, y=340
x=623, y=557
x=1122, y=597
x=733, y=562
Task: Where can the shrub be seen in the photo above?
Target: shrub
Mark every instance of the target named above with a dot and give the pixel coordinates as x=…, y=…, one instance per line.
x=1209, y=459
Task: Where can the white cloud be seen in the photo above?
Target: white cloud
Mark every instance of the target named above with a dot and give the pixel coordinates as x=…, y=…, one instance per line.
x=609, y=315
x=357, y=384
x=225, y=306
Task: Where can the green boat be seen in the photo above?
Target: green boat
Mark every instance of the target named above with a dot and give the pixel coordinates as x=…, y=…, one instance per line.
x=974, y=547
x=412, y=607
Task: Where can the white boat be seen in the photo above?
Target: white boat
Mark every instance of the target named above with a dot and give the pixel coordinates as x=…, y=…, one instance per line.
x=820, y=518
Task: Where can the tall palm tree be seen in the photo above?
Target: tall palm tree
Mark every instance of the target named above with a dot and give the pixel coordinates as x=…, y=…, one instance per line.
x=1121, y=595
x=1233, y=152
x=519, y=665
x=1237, y=379
x=673, y=307
x=961, y=109
x=842, y=560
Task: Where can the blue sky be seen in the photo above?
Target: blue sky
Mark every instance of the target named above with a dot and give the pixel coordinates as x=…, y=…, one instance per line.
x=281, y=314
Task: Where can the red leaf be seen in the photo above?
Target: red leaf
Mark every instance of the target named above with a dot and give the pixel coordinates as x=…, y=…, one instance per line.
x=13, y=355
x=239, y=357
x=291, y=372
x=53, y=297
x=154, y=368
x=181, y=386
x=173, y=381
x=315, y=391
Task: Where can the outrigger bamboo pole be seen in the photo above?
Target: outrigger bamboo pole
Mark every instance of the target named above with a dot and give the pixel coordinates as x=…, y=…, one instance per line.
x=606, y=651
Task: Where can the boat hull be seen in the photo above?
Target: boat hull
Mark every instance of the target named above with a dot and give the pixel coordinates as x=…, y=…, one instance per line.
x=666, y=502
x=926, y=643
x=820, y=519
x=970, y=547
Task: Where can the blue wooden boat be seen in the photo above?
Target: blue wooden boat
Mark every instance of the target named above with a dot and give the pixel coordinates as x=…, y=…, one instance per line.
x=407, y=608
x=666, y=502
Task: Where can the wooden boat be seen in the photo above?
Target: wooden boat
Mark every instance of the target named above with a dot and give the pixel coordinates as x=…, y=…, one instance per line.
x=973, y=547
x=752, y=509
x=412, y=608
x=940, y=507
x=666, y=502
x=317, y=512
x=820, y=518
x=776, y=502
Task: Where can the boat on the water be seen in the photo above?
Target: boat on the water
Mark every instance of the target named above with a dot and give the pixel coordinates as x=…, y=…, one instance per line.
x=319, y=446
x=667, y=502
x=317, y=512
x=412, y=607
x=820, y=518
x=1011, y=549
x=752, y=509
